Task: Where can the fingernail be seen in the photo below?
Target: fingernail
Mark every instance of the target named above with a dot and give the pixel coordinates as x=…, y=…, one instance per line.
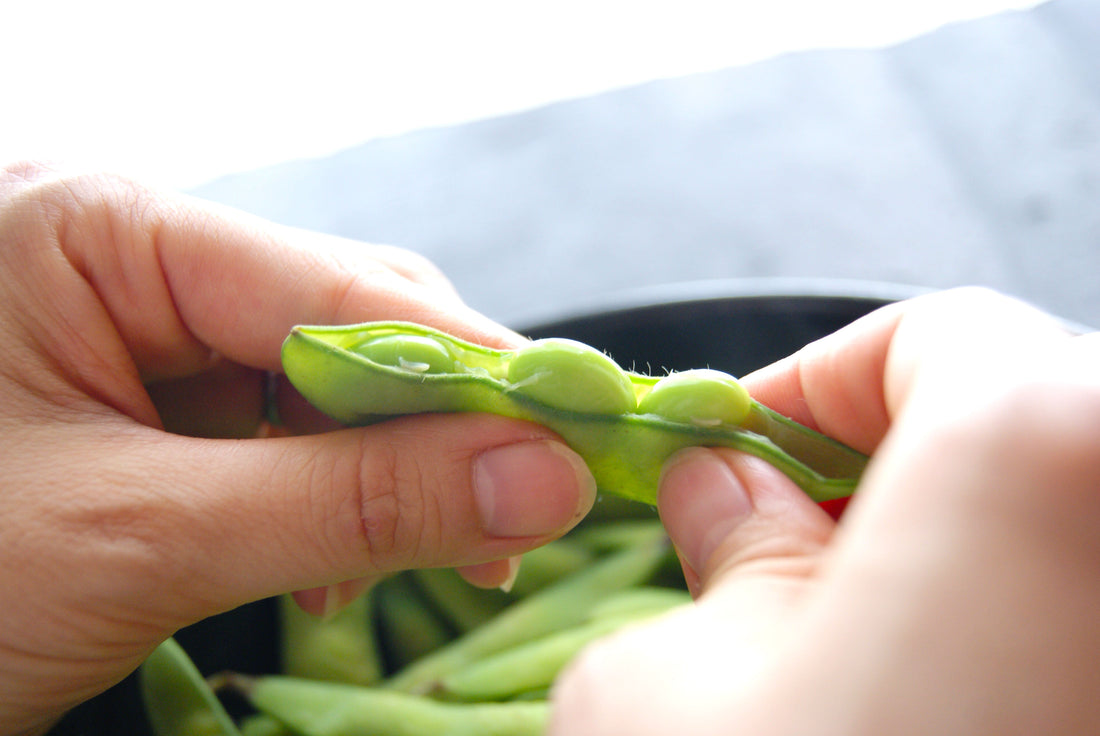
x=513, y=573
x=334, y=603
x=311, y=600
x=328, y=601
x=701, y=501
x=531, y=489
x=493, y=574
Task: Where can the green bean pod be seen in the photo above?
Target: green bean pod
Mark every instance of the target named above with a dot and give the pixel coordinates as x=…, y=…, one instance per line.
x=559, y=605
x=464, y=606
x=343, y=648
x=548, y=564
x=534, y=665
x=314, y=708
x=411, y=627
x=178, y=701
x=531, y=666
x=362, y=374
x=261, y=724
x=615, y=535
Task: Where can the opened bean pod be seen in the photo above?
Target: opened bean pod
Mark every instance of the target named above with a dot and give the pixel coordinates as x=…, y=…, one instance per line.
x=624, y=424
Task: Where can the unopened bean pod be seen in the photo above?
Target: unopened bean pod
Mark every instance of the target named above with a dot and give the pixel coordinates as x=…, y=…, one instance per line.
x=178, y=701
x=342, y=648
x=560, y=605
x=315, y=708
x=534, y=665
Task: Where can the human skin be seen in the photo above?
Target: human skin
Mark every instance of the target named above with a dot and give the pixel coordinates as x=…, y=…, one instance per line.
x=957, y=595
x=142, y=490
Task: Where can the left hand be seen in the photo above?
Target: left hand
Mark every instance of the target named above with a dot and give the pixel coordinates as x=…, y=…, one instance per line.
x=137, y=326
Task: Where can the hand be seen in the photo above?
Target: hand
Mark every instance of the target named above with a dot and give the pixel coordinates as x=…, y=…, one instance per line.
x=135, y=327
x=959, y=592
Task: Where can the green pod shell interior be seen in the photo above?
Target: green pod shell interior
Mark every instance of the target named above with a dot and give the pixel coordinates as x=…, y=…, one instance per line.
x=361, y=374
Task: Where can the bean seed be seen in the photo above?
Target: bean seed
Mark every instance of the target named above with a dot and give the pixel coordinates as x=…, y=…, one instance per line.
x=569, y=375
x=703, y=397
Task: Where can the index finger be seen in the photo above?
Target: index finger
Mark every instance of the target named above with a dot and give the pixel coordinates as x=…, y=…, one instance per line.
x=852, y=384
x=241, y=290
x=183, y=279
x=835, y=385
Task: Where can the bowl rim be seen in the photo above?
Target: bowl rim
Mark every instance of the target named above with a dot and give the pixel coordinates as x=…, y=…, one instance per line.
x=685, y=292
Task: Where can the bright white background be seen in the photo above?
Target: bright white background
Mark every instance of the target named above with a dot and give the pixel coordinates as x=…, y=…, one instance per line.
x=178, y=94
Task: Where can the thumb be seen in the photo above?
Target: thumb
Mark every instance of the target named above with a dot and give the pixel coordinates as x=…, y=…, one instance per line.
x=748, y=540
x=266, y=516
x=731, y=515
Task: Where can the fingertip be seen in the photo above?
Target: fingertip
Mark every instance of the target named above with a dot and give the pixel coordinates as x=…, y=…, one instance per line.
x=701, y=501
x=835, y=384
x=492, y=574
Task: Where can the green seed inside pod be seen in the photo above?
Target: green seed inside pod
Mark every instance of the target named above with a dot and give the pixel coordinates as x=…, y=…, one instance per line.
x=412, y=353
x=703, y=397
x=571, y=376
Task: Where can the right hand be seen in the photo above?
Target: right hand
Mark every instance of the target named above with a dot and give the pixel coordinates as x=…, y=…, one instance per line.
x=959, y=593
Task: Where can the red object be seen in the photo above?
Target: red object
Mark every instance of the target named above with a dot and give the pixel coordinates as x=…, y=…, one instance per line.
x=835, y=507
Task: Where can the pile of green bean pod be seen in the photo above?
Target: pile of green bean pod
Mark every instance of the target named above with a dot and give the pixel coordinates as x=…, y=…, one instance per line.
x=624, y=424
x=424, y=652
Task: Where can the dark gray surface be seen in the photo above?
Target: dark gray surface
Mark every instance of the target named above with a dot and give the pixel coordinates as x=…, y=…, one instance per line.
x=967, y=156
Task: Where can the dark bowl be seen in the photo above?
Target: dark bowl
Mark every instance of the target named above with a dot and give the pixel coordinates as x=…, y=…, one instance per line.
x=735, y=326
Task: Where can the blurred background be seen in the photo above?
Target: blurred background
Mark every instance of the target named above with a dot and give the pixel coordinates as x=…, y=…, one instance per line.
x=555, y=158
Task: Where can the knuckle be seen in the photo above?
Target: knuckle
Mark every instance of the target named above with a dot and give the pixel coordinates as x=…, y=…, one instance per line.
x=1036, y=430
x=399, y=523
x=24, y=173
x=983, y=302
x=75, y=203
x=379, y=502
x=974, y=311
x=975, y=295
x=373, y=505
x=319, y=490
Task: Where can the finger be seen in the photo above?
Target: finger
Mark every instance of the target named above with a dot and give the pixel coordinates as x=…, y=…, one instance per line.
x=835, y=384
x=730, y=514
x=851, y=384
x=406, y=264
x=295, y=277
x=307, y=512
x=182, y=280
x=983, y=528
x=328, y=600
x=750, y=541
